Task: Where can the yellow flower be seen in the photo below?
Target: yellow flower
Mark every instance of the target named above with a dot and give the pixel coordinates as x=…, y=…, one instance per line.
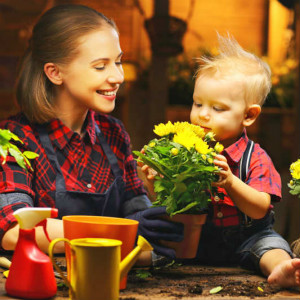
x=186, y=126
x=295, y=169
x=219, y=147
x=202, y=147
x=174, y=151
x=164, y=129
x=185, y=138
x=152, y=144
x=203, y=156
x=210, y=136
x=181, y=126
x=210, y=160
x=199, y=131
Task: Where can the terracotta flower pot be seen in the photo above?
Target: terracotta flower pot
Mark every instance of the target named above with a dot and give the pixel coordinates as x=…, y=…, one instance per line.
x=187, y=248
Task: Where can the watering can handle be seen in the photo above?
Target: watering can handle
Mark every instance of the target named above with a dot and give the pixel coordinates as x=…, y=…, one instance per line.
x=57, y=268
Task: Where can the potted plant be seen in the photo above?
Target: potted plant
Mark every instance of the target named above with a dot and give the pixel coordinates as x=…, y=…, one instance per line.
x=183, y=160
x=6, y=147
x=294, y=184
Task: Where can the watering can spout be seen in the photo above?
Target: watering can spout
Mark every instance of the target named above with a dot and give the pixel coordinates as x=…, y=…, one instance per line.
x=131, y=258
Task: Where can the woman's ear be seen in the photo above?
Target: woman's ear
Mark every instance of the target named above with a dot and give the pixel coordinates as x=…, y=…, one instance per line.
x=251, y=114
x=53, y=73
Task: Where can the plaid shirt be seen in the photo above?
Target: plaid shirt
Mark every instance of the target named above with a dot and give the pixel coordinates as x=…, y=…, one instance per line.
x=261, y=176
x=74, y=156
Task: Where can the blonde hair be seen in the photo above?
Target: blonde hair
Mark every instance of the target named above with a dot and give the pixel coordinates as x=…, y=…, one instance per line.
x=55, y=38
x=234, y=61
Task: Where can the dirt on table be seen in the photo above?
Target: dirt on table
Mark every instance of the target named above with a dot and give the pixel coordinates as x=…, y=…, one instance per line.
x=192, y=281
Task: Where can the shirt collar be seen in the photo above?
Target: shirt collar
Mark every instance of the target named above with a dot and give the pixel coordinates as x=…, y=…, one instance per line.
x=61, y=135
x=236, y=150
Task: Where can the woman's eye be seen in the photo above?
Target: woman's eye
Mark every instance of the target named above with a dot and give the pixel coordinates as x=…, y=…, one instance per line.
x=197, y=104
x=100, y=68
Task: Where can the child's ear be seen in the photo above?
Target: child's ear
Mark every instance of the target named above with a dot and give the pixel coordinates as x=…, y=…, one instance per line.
x=251, y=114
x=53, y=73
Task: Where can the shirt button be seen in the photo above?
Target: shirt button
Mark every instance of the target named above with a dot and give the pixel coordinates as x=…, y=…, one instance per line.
x=89, y=185
x=217, y=198
x=220, y=215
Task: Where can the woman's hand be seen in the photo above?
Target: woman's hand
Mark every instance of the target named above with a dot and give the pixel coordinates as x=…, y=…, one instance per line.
x=225, y=174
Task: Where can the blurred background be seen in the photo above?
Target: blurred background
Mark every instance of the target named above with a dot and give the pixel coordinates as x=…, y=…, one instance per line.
x=161, y=39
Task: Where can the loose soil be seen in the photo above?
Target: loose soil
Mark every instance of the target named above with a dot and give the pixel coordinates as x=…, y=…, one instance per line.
x=190, y=281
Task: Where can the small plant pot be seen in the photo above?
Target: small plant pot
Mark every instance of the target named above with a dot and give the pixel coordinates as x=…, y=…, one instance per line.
x=187, y=248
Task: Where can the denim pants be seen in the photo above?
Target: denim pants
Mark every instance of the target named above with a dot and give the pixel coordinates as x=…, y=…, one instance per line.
x=239, y=245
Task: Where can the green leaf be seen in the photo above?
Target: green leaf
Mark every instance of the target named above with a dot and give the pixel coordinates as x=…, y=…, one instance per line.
x=3, y=152
x=152, y=164
x=17, y=154
x=215, y=290
x=30, y=154
x=179, y=188
x=143, y=274
x=186, y=208
x=8, y=135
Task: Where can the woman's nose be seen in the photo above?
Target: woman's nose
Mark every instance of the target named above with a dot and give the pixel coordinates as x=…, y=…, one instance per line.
x=116, y=75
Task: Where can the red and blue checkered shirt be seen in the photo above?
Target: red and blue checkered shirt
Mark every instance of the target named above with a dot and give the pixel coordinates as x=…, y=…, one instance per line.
x=261, y=176
x=74, y=156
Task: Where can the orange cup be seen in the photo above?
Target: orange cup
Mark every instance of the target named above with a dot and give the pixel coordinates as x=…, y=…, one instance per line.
x=125, y=230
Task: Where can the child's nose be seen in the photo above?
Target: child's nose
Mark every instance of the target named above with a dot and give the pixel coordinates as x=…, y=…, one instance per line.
x=204, y=113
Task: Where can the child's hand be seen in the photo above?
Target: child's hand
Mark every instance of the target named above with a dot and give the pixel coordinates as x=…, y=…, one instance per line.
x=149, y=172
x=147, y=175
x=225, y=174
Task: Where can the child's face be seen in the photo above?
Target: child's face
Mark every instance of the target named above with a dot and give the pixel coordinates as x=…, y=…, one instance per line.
x=219, y=106
x=93, y=77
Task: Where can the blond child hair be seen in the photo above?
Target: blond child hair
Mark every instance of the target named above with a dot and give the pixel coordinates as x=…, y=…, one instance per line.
x=233, y=62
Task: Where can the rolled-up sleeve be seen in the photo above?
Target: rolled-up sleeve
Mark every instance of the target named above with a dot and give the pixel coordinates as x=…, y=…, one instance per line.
x=9, y=203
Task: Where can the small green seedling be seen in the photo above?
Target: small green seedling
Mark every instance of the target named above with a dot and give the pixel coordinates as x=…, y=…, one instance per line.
x=215, y=290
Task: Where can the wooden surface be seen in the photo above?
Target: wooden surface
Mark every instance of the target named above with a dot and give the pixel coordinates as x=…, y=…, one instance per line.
x=178, y=282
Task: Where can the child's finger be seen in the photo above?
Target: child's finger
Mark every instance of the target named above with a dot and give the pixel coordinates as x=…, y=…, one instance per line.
x=222, y=164
x=220, y=157
x=151, y=174
x=140, y=163
x=145, y=168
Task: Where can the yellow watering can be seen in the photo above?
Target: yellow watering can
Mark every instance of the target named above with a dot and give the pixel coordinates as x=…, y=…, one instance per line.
x=95, y=267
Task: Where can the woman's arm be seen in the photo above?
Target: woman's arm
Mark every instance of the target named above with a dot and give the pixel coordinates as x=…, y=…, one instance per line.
x=54, y=229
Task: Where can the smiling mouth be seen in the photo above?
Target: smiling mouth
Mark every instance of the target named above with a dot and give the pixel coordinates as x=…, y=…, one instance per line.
x=107, y=93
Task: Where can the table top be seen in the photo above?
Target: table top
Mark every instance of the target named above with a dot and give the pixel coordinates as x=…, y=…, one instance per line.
x=188, y=282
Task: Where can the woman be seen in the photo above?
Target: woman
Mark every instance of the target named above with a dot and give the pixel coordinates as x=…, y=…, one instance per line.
x=67, y=84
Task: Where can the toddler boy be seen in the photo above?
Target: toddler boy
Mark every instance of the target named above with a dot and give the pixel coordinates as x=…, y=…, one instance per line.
x=229, y=92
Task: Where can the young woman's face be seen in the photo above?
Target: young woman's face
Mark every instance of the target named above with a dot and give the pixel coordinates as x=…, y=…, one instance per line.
x=219, y=106
x=93, y=77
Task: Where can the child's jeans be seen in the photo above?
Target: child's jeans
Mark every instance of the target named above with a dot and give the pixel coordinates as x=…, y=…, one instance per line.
x=239, y=245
